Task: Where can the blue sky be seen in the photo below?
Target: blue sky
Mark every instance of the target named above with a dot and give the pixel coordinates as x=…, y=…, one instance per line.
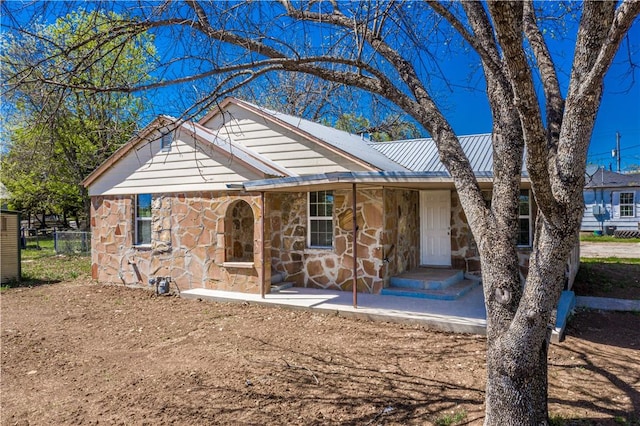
x=619, y=111
x=467, y=110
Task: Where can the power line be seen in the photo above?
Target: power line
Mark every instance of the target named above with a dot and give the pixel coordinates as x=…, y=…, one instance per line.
x=608, y=152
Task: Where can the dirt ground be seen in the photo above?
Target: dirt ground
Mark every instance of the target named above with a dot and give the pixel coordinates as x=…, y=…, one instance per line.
x=77, y=352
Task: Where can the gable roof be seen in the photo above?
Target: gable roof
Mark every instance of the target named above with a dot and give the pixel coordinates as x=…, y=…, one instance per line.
x=353, y=147
x=604, y=178
x=420, y=157
x=405, y=161
x=248, y=158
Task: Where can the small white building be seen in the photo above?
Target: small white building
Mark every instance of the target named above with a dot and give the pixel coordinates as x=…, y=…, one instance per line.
x=612, y=201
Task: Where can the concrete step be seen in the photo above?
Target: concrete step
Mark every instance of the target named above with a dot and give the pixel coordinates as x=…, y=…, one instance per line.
x=281, y=286
x=427, y=279
x=450, y=292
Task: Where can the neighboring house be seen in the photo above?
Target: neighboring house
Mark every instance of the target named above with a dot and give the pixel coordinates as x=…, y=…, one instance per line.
x=612, y=200
x=10, y=269
x=246, y=192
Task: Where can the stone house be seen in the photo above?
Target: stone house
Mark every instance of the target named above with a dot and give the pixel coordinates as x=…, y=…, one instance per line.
x=246, y=194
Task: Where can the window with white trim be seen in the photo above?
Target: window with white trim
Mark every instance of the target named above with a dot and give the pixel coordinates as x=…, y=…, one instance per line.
x=627, y=204
x=143, y=219
x=524, y=218
x=320, y=219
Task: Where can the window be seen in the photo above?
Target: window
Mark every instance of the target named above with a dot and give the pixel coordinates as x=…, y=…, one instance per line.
x=165, y=141
x=320, y=219
x=143, y=219
x=524, y=219
x=626, y=204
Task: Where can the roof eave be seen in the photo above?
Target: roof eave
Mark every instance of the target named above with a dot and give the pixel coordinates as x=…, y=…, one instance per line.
x=416, y=180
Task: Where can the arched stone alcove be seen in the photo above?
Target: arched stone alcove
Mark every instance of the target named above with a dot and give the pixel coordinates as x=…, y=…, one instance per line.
x=239, y=227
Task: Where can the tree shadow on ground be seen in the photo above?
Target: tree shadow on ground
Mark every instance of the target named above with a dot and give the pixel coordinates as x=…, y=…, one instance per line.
x=390, y=393
x=596, y=327
x=602, y=348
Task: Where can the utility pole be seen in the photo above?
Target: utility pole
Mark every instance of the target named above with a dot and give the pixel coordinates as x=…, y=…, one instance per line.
x=616, y=152
x=618, y=149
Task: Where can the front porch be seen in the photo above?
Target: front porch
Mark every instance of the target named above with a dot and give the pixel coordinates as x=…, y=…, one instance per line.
x=464, y=315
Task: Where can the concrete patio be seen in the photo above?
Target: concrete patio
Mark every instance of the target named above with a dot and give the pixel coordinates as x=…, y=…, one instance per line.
x=464, y=315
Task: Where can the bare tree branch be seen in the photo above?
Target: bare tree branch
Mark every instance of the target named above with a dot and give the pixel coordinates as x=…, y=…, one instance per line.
x=545, y=65
x=508, y=19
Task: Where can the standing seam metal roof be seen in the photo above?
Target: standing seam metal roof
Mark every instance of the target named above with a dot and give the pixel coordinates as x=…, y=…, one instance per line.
x=422, y=155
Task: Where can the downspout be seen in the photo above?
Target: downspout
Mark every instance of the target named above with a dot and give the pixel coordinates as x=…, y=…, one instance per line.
x=355, y=248
x=262, y=263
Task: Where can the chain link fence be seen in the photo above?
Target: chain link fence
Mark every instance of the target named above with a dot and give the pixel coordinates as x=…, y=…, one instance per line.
x=72, y=242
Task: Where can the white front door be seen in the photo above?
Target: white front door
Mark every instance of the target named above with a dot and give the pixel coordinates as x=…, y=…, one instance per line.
x=435, y=228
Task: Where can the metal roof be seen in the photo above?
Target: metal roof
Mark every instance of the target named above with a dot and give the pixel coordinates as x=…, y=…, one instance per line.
x=352, y=144
x=422, y=154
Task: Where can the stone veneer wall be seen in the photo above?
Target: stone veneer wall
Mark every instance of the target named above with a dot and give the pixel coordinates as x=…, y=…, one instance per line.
x=402, y=232
x=369, y=244
x=328, y=268
x=387, y=228
x=188, y=242
x=287, y=224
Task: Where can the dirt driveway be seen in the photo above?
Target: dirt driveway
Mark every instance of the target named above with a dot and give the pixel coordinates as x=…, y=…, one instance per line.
x=623, y=250
x=83, y=353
